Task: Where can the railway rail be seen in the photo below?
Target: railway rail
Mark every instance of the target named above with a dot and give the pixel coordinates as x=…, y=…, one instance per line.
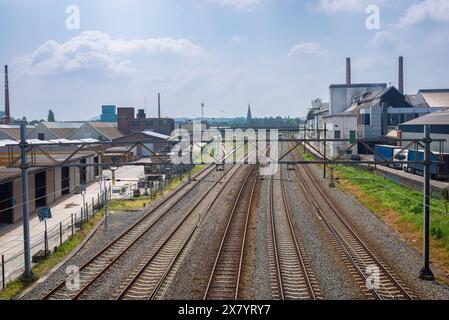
x=291, y=273
x=154, y=268
x=376, y=279
x=103, y=260
x=224, y=280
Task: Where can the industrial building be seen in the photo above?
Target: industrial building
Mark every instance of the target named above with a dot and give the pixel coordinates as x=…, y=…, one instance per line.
x=439, y=129
x=156, y=142
x=128, y=122
x=11, y=132
x=108, y=113
x=101, y=131
x=45, y=185
x=370, y=110
x=53, y=130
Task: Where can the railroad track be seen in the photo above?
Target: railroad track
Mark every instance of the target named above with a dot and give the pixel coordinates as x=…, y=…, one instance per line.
x=291, y=274
x=152, y=271
x=102, y=261
x=224, y=281
x=361, y=261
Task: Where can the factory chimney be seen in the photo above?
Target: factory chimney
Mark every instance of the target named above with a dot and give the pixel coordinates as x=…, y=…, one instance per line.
x=401, y=75
x=7, y=111
x=159, y=105
x=348, y=71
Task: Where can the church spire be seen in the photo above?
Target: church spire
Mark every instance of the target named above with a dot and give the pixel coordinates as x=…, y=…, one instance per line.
x=249, y=117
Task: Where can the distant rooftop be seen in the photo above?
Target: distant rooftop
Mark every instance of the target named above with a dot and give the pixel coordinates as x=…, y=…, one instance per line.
x=434, y=118
x=358, y=85
x=63, y=125
x=155, y=134
x=436, y=98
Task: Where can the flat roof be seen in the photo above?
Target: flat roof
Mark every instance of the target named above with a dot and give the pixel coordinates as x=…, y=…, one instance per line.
x=358, y=85
x=13, y=173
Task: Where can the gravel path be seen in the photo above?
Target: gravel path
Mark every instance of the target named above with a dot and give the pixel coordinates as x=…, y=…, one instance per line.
x=262, y=278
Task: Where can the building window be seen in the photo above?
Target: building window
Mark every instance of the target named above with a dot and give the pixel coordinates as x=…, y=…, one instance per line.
x=337, y=134
x=41, y=136
x=366, y=119
x=352, y=136
x=394, y=119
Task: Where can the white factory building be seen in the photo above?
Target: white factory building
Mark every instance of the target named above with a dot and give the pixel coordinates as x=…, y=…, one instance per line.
x=367, y=111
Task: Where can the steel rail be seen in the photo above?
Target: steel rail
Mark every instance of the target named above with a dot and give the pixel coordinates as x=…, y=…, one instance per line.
x=239, y=242
x=300, y=252
x=274, y=243
x=129, y=286
x=344, y=243
x=127, y=232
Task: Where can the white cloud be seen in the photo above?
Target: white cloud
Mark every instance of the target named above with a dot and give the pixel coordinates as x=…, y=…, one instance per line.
x=332, y=6
x=433, y=9
x=306, y=48
x=238, y=39
x=382, y=38
x=237, y=4
x=93, y=50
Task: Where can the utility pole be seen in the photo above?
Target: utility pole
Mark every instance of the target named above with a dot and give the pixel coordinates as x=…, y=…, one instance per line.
x=325, y=151
x=28, y=274
x=105, y=205
x=427, y=274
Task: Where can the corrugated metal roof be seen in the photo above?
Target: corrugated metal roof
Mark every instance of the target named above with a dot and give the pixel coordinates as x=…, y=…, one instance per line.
x=4, y=143
x=107, y=129
x=435, y=118
x=13, y=131
x=438, y=98
x=155, y=134
x=63, y=125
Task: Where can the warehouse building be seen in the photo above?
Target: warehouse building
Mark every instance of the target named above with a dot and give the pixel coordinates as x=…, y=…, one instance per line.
x=439, y=128
x=156, y=142
x=128, y=122
x=46, y=185
x=12, y=132
x=101, y=131
x=53, y=130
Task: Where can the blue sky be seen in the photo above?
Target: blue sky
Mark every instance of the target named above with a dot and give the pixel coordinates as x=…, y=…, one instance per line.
x=275, y=54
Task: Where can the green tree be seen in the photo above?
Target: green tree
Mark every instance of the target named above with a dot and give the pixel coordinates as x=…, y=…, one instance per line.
x=51, y=116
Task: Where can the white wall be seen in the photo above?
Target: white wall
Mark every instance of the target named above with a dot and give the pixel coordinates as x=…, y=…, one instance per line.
x=341, y=96
x=345, y=125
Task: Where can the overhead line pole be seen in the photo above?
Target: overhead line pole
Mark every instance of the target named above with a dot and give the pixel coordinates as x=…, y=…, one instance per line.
x=426, y=273
x=28, y=274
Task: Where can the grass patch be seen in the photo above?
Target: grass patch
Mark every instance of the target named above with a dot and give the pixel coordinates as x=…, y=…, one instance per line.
x=400, y=207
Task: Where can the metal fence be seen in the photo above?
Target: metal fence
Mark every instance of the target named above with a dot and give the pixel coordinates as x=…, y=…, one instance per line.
x=42, y=244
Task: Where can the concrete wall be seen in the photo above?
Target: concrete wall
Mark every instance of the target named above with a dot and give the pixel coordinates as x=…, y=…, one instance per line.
x=86, y=132
x=374, y=130
x=345, y=125
x=40, y=128
x=53, y=187
x=341, y=96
